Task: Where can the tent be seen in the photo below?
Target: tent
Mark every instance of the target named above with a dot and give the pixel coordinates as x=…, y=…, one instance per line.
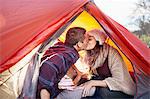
x=28, y=26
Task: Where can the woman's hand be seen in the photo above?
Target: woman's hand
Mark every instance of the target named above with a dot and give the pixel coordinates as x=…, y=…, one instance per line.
x=92, y=83
x=86, y=88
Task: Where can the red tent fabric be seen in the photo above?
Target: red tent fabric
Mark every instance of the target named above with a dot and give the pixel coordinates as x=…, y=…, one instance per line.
x=131, y=46
x=27, y=23
x=24, y=24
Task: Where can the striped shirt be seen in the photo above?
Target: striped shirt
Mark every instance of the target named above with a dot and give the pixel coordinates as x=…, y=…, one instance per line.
x=55, y=63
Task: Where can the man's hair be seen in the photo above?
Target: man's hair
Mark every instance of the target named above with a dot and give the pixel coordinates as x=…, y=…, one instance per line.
x=74, y=35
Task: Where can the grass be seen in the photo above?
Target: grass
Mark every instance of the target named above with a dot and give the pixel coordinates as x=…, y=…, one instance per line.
x=145, y=39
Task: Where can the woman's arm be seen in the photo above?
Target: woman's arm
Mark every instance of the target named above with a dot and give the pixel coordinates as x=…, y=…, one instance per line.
x=98, y=83
x=121, y=79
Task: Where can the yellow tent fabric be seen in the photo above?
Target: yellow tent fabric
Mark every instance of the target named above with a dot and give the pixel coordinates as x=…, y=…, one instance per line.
x=88, y=22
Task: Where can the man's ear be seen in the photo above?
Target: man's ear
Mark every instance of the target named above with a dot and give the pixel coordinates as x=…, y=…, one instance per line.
x=72, y=34
x=78, y=44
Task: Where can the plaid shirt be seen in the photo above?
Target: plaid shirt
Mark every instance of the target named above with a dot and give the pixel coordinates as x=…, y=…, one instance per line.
x=55, y=63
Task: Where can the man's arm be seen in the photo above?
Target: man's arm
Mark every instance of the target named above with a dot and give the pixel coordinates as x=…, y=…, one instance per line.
x=44, y=94
x=79, y=75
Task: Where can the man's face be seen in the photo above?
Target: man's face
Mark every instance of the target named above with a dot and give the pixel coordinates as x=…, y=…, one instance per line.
x=88, y=43
x=83, y=45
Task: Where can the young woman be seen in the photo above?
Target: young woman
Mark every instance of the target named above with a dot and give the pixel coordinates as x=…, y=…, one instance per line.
x=112, y=79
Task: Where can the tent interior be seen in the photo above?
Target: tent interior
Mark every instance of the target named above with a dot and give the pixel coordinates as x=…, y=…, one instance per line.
x=12, y=80
x=88, y=22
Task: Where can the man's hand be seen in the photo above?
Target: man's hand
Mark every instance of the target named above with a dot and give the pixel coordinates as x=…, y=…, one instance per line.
x=44, y=94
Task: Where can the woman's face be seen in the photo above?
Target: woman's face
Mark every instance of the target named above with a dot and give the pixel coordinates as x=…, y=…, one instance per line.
x=91, y=43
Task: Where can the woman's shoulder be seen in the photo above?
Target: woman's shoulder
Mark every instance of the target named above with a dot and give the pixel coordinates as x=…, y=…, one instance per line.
x=110, y=48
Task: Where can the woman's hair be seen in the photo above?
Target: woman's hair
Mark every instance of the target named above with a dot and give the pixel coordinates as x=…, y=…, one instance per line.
x=99, y=35
x=74, y=35
x=93, y=54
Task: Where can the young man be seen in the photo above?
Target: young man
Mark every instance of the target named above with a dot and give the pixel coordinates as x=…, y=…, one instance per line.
x=57, y=60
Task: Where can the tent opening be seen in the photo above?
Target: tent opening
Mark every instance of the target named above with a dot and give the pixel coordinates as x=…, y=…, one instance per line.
x=14, y=80
x=88, y=22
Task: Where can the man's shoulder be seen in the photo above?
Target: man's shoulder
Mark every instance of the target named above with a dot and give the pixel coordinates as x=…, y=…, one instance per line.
x=59, y=43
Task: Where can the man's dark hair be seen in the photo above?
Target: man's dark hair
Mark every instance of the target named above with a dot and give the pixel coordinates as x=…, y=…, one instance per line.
x=74, y=35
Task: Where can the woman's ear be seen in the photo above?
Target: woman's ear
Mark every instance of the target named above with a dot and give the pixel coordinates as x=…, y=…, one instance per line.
x=101, y=41
x=77, y=46
x=99, y=35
